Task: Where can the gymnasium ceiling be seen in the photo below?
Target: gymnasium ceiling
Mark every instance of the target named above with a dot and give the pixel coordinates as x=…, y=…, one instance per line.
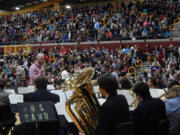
x=11, y=5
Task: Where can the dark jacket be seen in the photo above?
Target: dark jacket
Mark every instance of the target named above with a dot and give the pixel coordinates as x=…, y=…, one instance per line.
x=147, y=116
x=114, y=111
x=41, y=95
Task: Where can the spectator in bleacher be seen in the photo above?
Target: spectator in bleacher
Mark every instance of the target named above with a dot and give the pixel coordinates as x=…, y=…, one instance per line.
x=136, y=21
x=151, y=82
x=102, y=59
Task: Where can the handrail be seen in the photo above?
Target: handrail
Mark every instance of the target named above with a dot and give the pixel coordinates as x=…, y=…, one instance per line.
x=15, y=49
x=86, y=38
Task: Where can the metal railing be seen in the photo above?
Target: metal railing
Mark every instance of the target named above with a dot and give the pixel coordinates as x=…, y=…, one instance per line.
x=19, y=39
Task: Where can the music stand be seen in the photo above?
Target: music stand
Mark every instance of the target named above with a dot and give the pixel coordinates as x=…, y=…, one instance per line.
x=37, y=112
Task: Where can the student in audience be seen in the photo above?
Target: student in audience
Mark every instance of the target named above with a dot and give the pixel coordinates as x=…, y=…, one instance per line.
x=149, y=112
x=173, y=109
x=151, y=82
x=41, y=93
x=115, y=110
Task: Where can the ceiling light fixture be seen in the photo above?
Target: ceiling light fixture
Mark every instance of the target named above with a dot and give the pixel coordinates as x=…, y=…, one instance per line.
x=68, y=7
x=17, y=8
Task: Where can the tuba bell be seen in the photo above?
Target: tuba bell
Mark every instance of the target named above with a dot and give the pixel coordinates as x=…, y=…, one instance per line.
x=83, y=106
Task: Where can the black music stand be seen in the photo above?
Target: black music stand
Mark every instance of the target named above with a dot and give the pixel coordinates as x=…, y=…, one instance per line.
x=37, y=113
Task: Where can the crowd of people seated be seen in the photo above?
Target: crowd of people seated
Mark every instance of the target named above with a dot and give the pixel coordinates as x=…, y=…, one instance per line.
x=61, y=62
x=110, y=21
x=110, y=67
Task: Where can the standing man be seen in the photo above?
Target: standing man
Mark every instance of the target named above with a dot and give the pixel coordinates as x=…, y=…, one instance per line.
x=37, y=69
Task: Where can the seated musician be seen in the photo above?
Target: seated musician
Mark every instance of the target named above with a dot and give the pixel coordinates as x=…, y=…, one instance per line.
x=149, y=112
x=3, y=94
x=41, y=94
x=7, y=118
x=173, y=109
x=115, y=110
x=125, y=84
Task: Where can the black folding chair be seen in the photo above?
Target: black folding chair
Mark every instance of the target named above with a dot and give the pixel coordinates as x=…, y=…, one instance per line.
x=124, y=129
x=175, y=130
x=163, y=127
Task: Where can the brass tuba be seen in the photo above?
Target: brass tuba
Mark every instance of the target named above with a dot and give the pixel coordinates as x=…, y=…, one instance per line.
x=83, y=106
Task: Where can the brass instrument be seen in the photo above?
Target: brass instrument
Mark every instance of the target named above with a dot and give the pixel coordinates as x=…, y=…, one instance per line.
x=135, y=102
x=164, y=94
x=171, y=92
x=83, y=106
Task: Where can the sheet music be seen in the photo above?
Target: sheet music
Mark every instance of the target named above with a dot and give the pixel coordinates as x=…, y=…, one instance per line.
x=126, y=93
x=155, y=93
x=31, y=86
x=10, y=91
x=60, y=108
x=50, y=87
x=95, y=89
x=23, y=90
x=101, y=101
x=69, y=93
x=15, y=98
x=61, y=94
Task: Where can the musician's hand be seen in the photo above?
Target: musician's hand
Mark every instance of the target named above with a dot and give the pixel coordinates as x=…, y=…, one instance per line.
x=82, y=133
x=164, y=99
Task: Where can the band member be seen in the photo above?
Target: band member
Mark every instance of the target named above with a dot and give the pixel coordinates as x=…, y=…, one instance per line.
x=173, y=109
x=37, y=69
x=115, y=110
x=41, y=93
x=149, y=112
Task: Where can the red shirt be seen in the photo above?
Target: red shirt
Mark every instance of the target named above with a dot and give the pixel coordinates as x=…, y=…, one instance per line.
x=63, y=51
x=46, y=58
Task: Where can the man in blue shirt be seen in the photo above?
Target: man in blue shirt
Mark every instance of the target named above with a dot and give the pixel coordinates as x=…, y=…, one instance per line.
x=96, y=25
x=96, y=28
